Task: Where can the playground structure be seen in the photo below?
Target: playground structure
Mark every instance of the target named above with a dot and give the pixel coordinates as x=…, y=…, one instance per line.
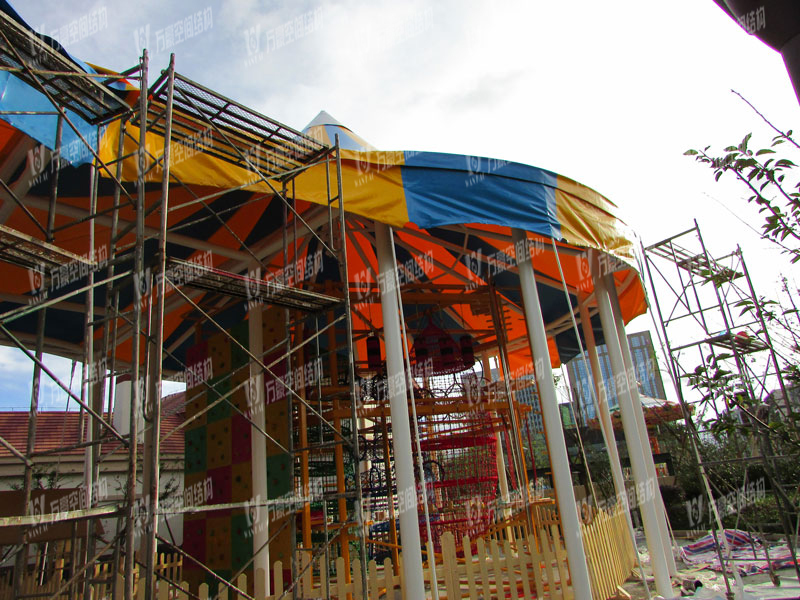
x=335, y=313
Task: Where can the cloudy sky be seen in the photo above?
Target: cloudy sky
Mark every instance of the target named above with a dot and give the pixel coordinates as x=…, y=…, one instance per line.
x=609, y=94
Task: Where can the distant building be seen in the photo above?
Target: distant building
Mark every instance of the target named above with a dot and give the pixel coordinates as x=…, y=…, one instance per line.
x=647, y=375
x=63, y=471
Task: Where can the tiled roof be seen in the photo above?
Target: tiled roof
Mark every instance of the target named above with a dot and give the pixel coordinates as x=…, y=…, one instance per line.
x=57, y=429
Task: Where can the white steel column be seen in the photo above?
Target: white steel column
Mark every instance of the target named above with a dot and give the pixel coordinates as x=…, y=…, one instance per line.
x=398, y=404
x=636, y=449
x=559, y=462
x=500, y=458
x=640, y=422
x=603, y=414
x=255, y=399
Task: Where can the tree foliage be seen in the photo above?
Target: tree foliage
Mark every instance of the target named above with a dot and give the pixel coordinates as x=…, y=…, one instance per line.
x=771, y=183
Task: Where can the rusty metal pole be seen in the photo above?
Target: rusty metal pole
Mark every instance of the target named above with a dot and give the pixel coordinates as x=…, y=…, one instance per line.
x=155, y=373
x=130, y=533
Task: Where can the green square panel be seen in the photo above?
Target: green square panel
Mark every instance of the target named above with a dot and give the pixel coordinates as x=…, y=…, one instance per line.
x=223, y=409
x=240, y=333
x=279, y=475
x=214, y=584
x=241, y=540
x=196, y=444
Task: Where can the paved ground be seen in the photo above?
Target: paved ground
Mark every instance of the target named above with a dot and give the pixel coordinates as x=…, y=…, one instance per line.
x=759, y=587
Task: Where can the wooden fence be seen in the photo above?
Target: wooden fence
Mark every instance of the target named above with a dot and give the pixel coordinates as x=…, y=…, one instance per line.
x=526, y=567
x=45, y=582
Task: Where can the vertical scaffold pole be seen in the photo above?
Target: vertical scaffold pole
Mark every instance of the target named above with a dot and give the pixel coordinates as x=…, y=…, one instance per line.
x=154, y=391
x=130, y=531
x=351, y=371
x=398, y=405
x=559, y=462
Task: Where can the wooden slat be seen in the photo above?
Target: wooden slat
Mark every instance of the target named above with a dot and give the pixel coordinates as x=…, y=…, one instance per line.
x=522, y=560
x=181, y=595
x=561, y=558
x=358, y=591
x=536, y=562
x=497, y=569
x=511, y=571
x=260, y=584
x=482, y=563
x=374, y=584
x=469, y=567
x=548, y=560
x=388, y=577
x=341, y=578
x=277, y=578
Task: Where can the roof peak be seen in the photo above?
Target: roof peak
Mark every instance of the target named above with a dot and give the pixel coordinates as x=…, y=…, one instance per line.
x=324, y=118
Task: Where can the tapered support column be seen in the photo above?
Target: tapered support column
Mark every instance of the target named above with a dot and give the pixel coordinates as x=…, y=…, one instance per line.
x=258, y=444
x=645, y=487
x=640, y=422
x=559, y=461
x=500, y=458
x=398, y=404
x=603, y=414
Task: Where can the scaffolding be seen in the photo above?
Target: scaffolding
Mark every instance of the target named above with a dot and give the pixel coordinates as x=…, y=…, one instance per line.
x=721, y=358
x=141, y=280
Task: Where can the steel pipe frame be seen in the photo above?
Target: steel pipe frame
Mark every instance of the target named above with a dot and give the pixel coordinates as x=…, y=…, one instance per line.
x=140, y=233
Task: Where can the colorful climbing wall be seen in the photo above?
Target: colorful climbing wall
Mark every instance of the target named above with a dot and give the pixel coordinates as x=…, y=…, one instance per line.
x=219, y=450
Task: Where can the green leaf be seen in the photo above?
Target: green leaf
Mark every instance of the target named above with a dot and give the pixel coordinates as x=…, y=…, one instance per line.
x=690, y=153
x=765, y=151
